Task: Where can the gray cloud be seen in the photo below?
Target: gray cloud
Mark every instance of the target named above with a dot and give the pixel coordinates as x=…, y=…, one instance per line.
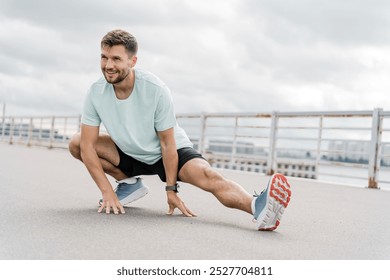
x=344, y=22
x=215, y=56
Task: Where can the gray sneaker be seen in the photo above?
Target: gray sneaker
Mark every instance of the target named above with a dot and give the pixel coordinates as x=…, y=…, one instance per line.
x=128, y=193
x=271, y=203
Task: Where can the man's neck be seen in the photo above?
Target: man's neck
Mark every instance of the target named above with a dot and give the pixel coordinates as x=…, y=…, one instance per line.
x=124, y=89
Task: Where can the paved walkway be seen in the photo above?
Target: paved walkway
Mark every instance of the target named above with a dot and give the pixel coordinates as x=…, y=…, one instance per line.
x=49, y=204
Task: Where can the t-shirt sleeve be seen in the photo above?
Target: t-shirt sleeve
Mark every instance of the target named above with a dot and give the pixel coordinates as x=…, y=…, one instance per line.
x=164, y=117
x=89, y=115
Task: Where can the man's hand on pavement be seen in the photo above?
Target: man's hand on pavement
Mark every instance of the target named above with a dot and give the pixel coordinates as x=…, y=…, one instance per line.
x=110, y=201
x=174, y=201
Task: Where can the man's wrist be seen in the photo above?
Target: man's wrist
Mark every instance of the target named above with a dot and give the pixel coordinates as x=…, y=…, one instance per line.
x=174, y=188
x=106, y=189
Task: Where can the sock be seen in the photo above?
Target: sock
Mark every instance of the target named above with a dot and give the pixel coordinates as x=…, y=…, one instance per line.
x=253, y=205
x=131, y=180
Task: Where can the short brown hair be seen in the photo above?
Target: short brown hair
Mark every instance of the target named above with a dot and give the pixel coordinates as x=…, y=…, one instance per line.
x=120, y=37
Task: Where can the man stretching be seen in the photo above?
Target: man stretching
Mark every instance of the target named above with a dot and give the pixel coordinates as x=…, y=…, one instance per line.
x=144, y=138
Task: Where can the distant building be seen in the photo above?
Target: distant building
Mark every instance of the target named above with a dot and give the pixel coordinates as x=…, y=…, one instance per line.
x=244, y=148
x=354, y=151
x=22, y=131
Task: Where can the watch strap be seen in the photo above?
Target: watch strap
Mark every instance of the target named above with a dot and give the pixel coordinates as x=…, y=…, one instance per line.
x=174, y=188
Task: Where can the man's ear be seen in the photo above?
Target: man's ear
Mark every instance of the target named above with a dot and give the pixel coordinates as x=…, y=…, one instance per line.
x=133, y=60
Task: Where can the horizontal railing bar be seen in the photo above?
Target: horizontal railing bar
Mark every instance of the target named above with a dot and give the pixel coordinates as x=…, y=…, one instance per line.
x=344, y=152
x=222, y=144
x=324, y=128
x=344, y=140
x=298, y=138
x=344, y=164
x=237, y=157
x=346, y=128
x=252, y=126
x=42, y=117
x=342, y=175
x=344, y=114
x=220, y=126
x=384, y=113
x=298, y=127
x=253, y=136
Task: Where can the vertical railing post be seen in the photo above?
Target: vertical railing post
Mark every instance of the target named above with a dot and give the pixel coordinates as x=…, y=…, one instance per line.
x=271, y=160
x=18, y=130
x=319, y=141
x=3, y=123
x=40, y=130
x=30, y=132
x=375, y=148
x=2, y=129
x=234, y=147
x=65, y=129
x=79, y=124
x=22, y=130
x=52, y=132
x=201, y=143
x=11, y=131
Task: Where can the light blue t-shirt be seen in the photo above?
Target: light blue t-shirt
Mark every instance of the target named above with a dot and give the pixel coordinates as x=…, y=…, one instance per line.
x=133, y=122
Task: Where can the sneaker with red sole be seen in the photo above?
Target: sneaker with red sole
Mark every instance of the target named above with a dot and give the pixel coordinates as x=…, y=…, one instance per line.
x=269, y=206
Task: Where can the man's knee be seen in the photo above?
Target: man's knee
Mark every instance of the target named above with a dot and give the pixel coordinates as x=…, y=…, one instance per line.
x=214, y=182
x=74, y=146
x=212, y=175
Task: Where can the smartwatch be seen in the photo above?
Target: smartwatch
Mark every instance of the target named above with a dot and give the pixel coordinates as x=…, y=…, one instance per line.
x=174, y=188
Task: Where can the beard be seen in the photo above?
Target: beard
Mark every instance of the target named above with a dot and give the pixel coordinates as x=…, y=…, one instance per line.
x=120, y=76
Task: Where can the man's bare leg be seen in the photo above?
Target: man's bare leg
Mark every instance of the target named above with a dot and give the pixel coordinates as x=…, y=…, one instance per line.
x=106, y=151
x=133, y=189
x=198, y=172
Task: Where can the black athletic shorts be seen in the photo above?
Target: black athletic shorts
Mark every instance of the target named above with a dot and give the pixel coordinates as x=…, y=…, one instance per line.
x=132, y=167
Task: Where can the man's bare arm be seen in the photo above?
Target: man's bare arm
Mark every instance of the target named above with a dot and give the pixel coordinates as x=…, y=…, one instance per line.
x=89, y=138
x=169, y=155
x=170, y=161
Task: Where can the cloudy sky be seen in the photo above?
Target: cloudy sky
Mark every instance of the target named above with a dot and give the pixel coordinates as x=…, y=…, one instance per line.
x=215, y=55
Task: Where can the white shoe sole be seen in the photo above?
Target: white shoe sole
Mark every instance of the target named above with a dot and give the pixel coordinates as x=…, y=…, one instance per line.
x=278, y=198
x=140, y=193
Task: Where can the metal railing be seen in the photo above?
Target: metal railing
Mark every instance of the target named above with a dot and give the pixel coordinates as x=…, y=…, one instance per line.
x=354, y=145
x=350, y=145
x=49, y=131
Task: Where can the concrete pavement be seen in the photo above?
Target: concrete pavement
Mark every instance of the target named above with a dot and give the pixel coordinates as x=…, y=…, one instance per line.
x=49, y=211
